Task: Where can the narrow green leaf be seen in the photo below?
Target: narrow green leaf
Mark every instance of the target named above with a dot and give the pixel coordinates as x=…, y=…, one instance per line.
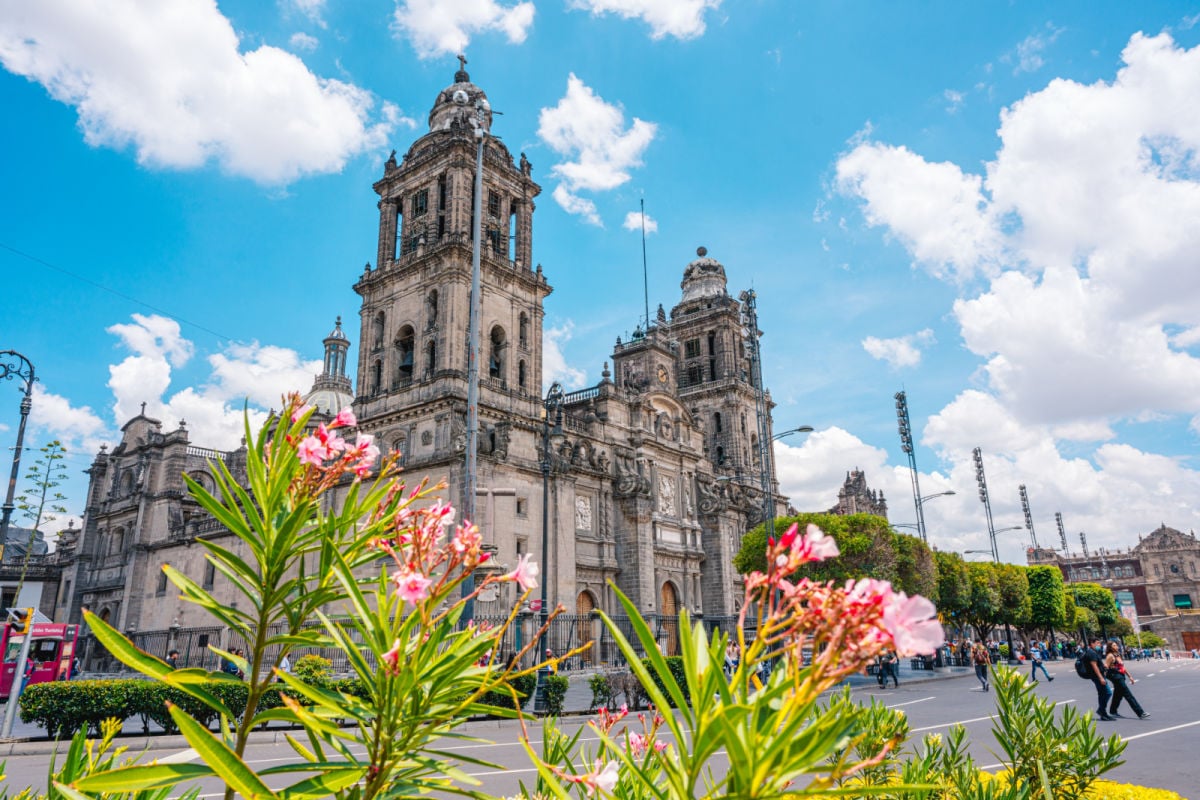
x=224, y=762
x=325, y=784
x=135, y=778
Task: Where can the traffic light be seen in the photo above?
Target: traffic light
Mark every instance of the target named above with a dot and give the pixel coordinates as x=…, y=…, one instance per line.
x=20, y=620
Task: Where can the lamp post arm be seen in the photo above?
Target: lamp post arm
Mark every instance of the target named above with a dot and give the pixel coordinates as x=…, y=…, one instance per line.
x=14, y=365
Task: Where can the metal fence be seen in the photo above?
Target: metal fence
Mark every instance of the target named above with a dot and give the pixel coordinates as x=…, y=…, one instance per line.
x=565, y=633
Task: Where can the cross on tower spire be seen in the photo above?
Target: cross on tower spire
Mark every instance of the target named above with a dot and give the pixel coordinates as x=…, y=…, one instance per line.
x=462, y=61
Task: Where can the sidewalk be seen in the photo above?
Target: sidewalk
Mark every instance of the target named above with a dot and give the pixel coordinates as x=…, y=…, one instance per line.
x=30, y=739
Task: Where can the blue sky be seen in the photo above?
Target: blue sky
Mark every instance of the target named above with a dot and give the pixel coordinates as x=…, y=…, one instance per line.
x=994, y=206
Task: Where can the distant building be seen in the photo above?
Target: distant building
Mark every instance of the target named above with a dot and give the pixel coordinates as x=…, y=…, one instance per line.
x=1157, y=577
x=855, y=497
x=42, y=571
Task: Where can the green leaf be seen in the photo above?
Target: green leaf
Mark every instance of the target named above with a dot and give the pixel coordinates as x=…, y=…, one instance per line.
x=135, y=778
x=224, y=762
x=325, y=784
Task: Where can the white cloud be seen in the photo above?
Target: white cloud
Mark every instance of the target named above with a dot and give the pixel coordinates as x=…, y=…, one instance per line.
x=938, y=211
x=574, y=204
x=169, y=80
x=554, y=363
x=954, y=100
x=303, y=42
x=445, y=27
x=902, y=351
x=1095, y=194
x=213, y=411
x=313, y=9
x=633, y=222
x=78, y=428
x=584, y=127
x=683, y=19
x=1030, y=49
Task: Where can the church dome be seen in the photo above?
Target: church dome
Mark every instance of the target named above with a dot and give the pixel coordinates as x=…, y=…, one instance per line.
x=329, y=400
x=704, y=277
x=461, y=104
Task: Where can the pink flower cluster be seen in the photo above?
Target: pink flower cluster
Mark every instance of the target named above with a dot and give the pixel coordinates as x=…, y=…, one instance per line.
x=845, y=626
x=326, y=445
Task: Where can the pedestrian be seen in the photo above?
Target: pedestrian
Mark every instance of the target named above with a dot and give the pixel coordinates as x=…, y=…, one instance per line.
x=1093, y=669
x=891, y=668
x=1114, y=670
x=981, y=659
x=173, y=659
x=1035, y=662
x=285, y=665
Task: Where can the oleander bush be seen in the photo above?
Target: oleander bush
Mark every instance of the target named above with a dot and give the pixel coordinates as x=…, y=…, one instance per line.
x=556, y=693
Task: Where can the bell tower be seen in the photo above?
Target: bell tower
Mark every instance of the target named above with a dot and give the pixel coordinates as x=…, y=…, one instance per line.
x=412, y=360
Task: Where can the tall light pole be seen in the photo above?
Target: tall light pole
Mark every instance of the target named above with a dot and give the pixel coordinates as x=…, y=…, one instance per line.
x=1062, y=534
x=906, y=444
x=471, y=481
x=551, y=439
x=1028, y=516
x=981, y=479
x=14, y=365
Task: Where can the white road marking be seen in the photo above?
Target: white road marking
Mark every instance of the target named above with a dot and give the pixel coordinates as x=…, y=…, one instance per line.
x=975, y=719
x=1160, y=730
x=911, y=702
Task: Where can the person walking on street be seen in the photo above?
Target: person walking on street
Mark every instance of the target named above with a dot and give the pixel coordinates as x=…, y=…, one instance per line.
x=1035, y=663
x=1114, y=669
x=981, y=659
x=1093, y=665
x=173, y=659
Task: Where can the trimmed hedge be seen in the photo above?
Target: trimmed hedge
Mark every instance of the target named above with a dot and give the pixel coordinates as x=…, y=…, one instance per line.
x=556, y=693
x=675, y=664
x=64, y=707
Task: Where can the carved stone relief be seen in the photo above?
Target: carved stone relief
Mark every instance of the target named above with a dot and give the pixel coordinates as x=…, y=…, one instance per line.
x=666, y=495
x=583, y=514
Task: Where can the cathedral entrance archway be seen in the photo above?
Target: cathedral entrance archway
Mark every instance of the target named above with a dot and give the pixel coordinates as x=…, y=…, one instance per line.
x=668, y=620
x=585, y=629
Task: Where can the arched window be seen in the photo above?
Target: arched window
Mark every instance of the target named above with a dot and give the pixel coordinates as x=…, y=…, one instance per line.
x=521, y=379
x=430, y=358
x=404, y=355
x=496, y=353
x=400, y=448
x=377, y=376
x=377, y=331
x=717, y=422
x=720, y=456
x=523, y=330
x=431, y=309
x=127, y=482
x=754, y=449
x=116, y=542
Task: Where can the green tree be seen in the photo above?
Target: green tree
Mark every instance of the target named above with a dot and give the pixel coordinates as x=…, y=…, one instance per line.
x=41, y=502
x=1145, y=639
x=1099, y=601
x=864, y=541
x=1047, y=599
x=983, y=611
x=954, y=588
x=916, y=571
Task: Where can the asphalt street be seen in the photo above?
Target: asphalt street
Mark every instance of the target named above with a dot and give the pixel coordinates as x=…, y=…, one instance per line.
x=1161, y=752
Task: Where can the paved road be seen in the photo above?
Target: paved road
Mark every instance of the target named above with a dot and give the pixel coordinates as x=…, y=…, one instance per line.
x=1162, y=751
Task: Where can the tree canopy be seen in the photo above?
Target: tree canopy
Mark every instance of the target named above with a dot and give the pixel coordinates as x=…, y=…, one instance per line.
x=1047, y=598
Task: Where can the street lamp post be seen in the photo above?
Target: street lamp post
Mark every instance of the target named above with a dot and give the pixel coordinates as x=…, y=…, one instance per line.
x=906, y=444
x=766, y=457
x=15, y=365
x=551, y=438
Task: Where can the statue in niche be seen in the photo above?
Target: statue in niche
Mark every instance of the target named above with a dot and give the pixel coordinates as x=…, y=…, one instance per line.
x=688, y=509
x=583, y=514
x=458, y=434
x=601, y=462
x=666, y=495
x=426, y=438
x=665, y=428
x=503, y=432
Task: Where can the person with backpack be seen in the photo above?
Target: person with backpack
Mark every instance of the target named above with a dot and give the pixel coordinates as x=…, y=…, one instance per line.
x=1090, y=667
x=1114, y=670
x=981, y=659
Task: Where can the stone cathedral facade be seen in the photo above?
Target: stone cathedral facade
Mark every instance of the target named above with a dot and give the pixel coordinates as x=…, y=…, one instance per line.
x=652, y=483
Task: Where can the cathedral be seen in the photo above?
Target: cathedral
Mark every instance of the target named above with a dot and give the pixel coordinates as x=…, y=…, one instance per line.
x=654, y=472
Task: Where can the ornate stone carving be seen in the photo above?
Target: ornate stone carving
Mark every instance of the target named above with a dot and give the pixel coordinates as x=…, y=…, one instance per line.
x=711, y=500
x=426, y=438
x=630, y=479
x=583, y=514
x=666, y=495
x=664, y=427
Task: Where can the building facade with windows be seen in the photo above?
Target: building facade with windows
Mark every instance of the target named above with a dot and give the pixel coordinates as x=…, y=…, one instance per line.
x=1157, y=577
x=656, y=475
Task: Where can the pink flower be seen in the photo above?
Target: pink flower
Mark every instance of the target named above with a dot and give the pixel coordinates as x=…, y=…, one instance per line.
x=660, y=746
x=300, y=412
x=817, y=545
x=413, y=587
x=332, y=441
x=391, y=659
x=637, y=744
x=525, y=574
x=606, y=779
x=311, y=451
x=344, y=418
x=913, y=624
x=367, y=454
x=466, y=539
